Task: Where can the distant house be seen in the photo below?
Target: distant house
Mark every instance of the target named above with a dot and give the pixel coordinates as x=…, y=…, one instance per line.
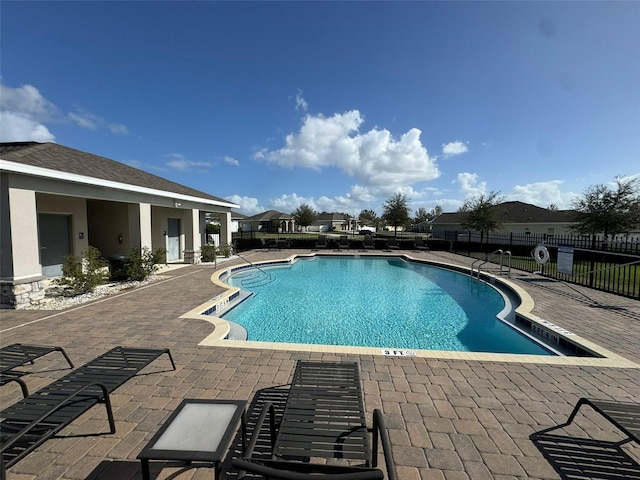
x=269, y=221
x=327, y=222
x=56, y=201
x=236, y=221
x=516, y=217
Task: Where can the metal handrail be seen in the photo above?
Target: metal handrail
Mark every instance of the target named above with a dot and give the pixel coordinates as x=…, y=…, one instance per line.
x=499, y=252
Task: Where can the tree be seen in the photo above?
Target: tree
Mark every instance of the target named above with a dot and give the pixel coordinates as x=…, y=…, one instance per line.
x=480, y=214
x=304, y=215
x=435, y=212
x=608, y=211
x=421, y=215
x=368, y=217
x=396, y=211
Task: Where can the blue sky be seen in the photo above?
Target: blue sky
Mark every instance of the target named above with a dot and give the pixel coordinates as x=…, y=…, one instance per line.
x=334, y=104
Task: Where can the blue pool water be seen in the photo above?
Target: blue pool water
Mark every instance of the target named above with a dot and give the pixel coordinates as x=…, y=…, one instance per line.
x=374, y=302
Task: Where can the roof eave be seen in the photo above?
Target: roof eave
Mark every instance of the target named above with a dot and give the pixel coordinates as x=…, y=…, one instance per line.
x=23, y=169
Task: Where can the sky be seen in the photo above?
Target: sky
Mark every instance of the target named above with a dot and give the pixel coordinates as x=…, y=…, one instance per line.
x=336, y=105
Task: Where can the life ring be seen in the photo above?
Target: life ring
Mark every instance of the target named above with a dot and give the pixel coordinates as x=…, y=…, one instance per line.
x=541, y=254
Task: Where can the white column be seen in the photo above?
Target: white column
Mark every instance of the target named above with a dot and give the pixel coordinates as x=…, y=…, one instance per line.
x=196, y=235
x=24, y=234
x=193, y=239
x=145, y=226
x=225, y=228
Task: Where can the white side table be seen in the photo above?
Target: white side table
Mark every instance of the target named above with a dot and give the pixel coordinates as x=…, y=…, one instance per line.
x=197, y=431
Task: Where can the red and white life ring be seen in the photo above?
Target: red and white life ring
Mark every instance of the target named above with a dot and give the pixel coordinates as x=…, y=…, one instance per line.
x=541, y=254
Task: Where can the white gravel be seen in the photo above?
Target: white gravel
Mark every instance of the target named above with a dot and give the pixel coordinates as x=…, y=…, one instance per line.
x=54, y=301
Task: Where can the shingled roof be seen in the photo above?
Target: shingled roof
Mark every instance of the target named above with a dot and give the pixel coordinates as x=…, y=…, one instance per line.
x=71, y=161
x=514, y=212
x=268, y=216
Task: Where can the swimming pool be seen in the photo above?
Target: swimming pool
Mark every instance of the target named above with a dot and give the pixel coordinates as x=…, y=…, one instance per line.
x=375, y=302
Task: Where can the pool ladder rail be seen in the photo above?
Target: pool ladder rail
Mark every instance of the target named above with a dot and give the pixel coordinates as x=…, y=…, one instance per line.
x=497, y=253
x=254, y=279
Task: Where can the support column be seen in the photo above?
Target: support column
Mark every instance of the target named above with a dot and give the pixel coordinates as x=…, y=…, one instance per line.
x=22, y=282
x=145, y=226
x=193, y=238
x=225, y=228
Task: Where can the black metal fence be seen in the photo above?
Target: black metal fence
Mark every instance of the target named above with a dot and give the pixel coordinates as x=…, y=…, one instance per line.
x=610, y=266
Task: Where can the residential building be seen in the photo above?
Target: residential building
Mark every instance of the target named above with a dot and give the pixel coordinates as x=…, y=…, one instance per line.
x=57, y=201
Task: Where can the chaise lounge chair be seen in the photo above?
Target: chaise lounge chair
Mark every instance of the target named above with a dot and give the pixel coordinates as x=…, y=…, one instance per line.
x=321, y=242
x=368, y=242
x=392, y=243
x=19, y=354
x=323, y=418
x=33, y=420
x=344, y=242
x=420, y=245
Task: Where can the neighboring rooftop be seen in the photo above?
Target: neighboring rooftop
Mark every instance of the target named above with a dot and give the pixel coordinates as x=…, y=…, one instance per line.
x=268, y=216
x=515, y=212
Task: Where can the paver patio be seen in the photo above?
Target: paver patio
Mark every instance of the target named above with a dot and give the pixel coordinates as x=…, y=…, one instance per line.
x=447, y=418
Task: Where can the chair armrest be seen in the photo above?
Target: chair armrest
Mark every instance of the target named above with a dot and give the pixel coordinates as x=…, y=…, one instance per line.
x=267, y=408
x=4, y=379
x=380, y=432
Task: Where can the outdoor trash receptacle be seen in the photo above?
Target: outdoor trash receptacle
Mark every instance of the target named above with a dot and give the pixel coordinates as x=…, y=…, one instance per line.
x=117, y=270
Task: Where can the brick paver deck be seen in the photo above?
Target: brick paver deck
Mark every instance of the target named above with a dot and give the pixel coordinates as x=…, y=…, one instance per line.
x=448, y=419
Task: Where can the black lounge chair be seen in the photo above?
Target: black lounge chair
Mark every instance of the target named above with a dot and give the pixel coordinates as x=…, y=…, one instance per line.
x=420, y=245
x=321, y=242
x=368, y=242
x=392, y=243
x=343, y=243
x=324, y=418
x=283, y=243
x=625, y=416
x=18, y=354
x=266, y=244
x=33, y=420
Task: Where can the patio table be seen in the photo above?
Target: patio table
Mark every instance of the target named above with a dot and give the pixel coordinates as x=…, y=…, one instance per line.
x=197, y=431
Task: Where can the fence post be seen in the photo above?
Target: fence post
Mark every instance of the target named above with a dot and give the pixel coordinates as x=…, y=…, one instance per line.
x=593, y=262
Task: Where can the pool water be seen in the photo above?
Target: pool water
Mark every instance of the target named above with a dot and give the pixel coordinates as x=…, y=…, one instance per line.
x=375, y=302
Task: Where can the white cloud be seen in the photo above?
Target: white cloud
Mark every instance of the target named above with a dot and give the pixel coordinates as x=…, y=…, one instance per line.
x=454, y=148
x=248, y=205
x=469, y=185
x=543, y=194
x=288, y=203
x=301, y=103
x=94, y=122
x=118, y=128
x=231, y=161
x=177, y=161
x=18, y=128
x=373, y=158
x=85, y=120
x=22, y=113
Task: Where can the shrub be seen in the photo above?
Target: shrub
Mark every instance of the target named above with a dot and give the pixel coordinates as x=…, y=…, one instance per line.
x=208, y=253
x=159, y=255
x=141, y=264
x=83, y=275
x=225, y=251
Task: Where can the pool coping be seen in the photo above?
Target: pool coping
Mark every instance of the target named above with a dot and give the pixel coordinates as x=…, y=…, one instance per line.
x=221, y=328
